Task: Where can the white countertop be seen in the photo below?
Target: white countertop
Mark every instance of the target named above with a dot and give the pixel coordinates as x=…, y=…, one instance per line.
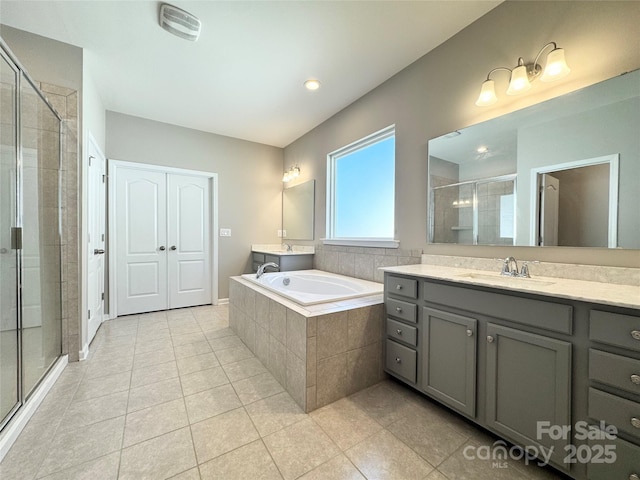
x=627, y=296
x=279, y=250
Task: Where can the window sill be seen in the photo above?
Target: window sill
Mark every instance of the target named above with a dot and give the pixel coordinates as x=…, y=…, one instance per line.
x=361, y=242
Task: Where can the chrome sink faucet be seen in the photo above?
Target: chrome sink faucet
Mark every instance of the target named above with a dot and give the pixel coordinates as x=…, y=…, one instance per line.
x=510, y=267
x=262, y=267
x=287, y=247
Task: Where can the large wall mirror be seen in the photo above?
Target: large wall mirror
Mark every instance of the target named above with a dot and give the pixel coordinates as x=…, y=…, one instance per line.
x=298, y=211
x=565, y=172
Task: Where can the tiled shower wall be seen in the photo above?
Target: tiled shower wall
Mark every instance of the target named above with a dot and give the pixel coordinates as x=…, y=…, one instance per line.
x=362, y=262
x=65, y=101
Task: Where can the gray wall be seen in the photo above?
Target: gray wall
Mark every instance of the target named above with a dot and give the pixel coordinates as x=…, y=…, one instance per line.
x=436, y=95
x=249, y=177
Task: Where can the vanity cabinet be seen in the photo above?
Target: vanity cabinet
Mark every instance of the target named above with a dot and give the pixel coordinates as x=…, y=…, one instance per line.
x=402, y=343
x=449, y=360
x=286, y=262
x=528, y=380
x=614, y=389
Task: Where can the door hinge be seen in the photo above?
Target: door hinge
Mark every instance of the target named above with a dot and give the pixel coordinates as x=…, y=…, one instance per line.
x=90, y=158
x=102, y=297
x=89, y=314
x=16, y=238
x=103, y=237
x=104, y=178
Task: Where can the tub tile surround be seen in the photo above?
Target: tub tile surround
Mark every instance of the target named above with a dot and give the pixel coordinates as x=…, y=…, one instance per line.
x=319, y=353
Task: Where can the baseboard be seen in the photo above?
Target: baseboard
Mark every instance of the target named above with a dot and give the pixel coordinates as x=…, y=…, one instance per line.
x=13, y=429
x=84, y=353
x=223, y=301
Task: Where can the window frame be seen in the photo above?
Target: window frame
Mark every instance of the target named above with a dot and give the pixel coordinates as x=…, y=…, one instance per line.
x=332, y=158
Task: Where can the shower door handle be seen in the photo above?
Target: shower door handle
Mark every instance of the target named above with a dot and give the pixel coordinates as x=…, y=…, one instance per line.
x=98, y=251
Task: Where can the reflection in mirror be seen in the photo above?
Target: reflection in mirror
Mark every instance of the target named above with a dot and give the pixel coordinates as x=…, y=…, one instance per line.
x=297, y=211
x=570, y=138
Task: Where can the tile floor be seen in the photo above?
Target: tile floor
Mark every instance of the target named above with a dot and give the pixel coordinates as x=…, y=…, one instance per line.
x=177, y=395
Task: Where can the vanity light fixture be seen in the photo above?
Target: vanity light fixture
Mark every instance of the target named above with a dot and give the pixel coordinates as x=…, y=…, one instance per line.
x=522, y=75
x=293, y=172
x=312, y=84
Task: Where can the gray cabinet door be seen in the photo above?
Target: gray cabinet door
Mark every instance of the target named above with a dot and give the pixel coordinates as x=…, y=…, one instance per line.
x=449, y=359
x=528, y=380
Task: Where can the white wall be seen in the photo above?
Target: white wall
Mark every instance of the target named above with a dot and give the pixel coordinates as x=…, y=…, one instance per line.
x=437, y=94
x=249, y=175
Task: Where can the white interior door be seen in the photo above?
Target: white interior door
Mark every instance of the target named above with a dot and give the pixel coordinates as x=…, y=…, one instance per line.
x=141, y=213
x=188, y=239
x=96, y=239
x=549, y=207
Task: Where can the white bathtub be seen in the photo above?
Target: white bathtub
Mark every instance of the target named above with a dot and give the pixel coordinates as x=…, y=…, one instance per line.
x=310, y=287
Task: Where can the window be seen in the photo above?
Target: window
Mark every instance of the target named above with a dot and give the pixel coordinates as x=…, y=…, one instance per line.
x=361, y=192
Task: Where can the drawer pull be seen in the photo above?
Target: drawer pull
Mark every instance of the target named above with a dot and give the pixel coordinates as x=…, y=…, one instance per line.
x=635, y=422
x=399, y=287
x=635, y=379
x=469, y=332
x=635, y=334
x=634, y=476
x=398, y=331
x=399, y=309
x=398, y=360
x=490, y=339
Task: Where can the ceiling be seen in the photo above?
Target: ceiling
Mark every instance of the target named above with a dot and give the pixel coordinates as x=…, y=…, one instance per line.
x=244, y=76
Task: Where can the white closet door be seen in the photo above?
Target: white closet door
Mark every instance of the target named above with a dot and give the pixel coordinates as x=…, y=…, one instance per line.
x=141, y=214
x=96, y=229
x=189, y=246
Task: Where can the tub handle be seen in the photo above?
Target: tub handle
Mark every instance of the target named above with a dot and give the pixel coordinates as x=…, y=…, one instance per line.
x=398, y=331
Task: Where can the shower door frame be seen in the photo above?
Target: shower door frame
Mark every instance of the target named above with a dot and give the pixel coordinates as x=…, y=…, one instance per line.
x=18, y=416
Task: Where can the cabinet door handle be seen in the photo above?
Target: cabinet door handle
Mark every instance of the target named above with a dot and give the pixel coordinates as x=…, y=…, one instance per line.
x=398, y=331
x=469, y=332
x=399, y=287
x=399, y=309
x=635, y=379
x=635, y=334
x=490, y=339
x=398, y=360
x=635, y=422
x=162, y=248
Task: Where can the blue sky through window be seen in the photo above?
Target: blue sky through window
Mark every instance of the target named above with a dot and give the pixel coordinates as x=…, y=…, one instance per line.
x=364, y=186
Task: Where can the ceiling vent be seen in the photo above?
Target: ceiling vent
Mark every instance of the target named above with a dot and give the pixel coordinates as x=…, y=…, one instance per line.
x=179, y=22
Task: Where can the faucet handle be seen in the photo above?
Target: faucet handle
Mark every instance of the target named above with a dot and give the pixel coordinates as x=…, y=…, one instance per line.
x=505, y=265
x=524, y=271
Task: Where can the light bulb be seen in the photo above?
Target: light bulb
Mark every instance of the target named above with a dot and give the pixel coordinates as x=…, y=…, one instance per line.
x=487, y=94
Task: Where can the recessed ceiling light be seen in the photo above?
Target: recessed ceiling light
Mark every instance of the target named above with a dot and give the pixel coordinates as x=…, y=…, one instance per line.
x=482, y=149
x=312, y=84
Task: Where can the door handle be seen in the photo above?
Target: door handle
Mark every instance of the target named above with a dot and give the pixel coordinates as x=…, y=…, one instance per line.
x=162, y=248
x=173, y=247
x=98, y=251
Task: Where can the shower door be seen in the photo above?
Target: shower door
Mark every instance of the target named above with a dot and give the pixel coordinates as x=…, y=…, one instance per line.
x=9, y=339
x=30, y=240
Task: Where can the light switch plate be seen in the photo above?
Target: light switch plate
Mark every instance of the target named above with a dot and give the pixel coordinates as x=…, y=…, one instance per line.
x=225, y=232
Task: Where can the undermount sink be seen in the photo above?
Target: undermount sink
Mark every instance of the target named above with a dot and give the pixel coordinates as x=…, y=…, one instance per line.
x=512, y=281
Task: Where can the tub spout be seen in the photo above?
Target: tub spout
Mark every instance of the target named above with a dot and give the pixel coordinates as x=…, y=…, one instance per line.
x=262, y=267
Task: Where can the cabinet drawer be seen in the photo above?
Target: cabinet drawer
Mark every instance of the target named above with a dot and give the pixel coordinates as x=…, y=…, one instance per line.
x=258, y=257
x=615, y=370
x=401, y=360
x=402, y=332
x=626, y=465
x=550, y=316
x=404, y=287
x=619, y=412
x=615, y=329
x=405, y=311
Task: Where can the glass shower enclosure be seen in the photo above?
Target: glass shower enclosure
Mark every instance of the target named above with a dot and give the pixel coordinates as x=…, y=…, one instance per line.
x=30, y=236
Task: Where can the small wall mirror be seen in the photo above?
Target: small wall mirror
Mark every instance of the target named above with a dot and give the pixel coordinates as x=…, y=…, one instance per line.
x=298, y=211
x=565, y=172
